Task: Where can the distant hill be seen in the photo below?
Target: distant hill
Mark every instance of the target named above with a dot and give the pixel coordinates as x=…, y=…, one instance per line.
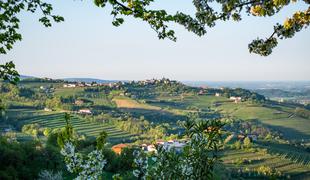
x=26, y=77
x=283, y=93
x=89, y=80
x=295, y=86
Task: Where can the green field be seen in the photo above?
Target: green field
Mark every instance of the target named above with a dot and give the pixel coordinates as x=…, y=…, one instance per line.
x=290, y=126
x=103, y=101
x=39, y=84
x=280, y=118
x=125, y=102
x=204, y=101
x=69, y=91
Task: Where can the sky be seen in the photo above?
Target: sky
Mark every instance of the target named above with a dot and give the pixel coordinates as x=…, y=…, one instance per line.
x=88, y=45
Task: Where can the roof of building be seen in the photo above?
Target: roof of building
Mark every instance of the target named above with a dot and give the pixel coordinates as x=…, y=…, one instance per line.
x=120, y=146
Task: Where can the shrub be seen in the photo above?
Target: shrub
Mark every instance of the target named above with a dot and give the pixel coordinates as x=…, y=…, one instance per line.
x=237, y=145
x=47, y=132
x=247, y=142
x=32, y=129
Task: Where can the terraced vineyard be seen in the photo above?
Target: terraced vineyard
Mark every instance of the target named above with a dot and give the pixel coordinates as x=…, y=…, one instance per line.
x=56, y=120
x=237, y=160
x=295, y=154
x=280, y=118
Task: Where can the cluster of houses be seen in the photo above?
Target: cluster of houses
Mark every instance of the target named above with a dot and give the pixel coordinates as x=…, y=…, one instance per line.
x=154, y=81
x=176, y=145
x=119, y=84
x=82, y=84
x=93, y=84
x=303, y=101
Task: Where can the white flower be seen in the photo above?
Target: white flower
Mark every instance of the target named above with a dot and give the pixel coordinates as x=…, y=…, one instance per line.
x=90, y=168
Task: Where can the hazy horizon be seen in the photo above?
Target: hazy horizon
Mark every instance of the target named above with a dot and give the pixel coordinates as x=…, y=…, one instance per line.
x=87, y=45
x=25, y=76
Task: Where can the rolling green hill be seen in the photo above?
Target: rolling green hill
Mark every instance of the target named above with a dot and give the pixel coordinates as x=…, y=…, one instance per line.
x=154, y=108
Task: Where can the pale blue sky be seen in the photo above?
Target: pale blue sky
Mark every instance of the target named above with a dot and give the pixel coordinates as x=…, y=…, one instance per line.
x=87, y=45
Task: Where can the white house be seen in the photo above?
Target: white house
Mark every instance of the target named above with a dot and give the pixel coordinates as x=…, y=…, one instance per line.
x=148, y=148
x=47, y=109
x=160, y=142
x=151, y=148
x=69, y=85
x=217, y=94
x=236, y=99
x=174, y=145
x=85, y=111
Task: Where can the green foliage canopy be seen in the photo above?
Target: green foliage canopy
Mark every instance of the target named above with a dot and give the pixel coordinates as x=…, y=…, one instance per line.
x=207, y=15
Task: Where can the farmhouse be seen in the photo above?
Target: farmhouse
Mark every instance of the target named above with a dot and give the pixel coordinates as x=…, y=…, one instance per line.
x=202, y=92
x=160, y=142
x=148, y=148
x=118, y=148
x=79, y=102
x=47, y=109
x=69, y=85
x=81, y=84
x=85, y=111
x=217, y=94
x=235, y=99
x=111, y=85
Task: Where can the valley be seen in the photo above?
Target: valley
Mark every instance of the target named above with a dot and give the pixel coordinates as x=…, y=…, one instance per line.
x=143, y=112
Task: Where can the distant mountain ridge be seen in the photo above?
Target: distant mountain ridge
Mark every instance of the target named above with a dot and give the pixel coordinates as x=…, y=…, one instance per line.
x=254, y=85
x=89, y=80
x=26, y=77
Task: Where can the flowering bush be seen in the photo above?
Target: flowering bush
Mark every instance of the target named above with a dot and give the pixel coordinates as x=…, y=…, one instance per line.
x=197, y=160
x=141, y=164
x=88, y=168
x=50, y=175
